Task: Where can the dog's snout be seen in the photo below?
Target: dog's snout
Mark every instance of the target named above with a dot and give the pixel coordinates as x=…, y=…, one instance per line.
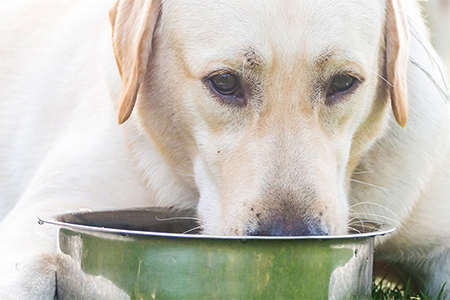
x=289, y=228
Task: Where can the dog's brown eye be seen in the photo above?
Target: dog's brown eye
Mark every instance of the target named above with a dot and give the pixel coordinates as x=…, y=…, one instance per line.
x=225, y=84
x=341, y=83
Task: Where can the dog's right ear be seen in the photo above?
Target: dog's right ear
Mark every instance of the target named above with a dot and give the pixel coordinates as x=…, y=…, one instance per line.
x=133, y=23
x=397, y=55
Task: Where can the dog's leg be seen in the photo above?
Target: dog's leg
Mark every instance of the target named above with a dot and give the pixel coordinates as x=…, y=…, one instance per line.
x=433, y=274
x=27, y=258
x=30, y=264
x=84, y=179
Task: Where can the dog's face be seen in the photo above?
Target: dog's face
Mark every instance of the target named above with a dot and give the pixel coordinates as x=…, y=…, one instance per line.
x=269, y=104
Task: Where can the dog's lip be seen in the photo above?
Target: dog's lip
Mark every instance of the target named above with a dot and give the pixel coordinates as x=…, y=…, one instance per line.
x=382, y=229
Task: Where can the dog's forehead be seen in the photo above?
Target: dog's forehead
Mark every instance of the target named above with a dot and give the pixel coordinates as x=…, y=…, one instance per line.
x=287, y=28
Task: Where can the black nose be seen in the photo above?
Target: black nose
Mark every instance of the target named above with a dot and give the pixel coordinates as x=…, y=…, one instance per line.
x=280, y=227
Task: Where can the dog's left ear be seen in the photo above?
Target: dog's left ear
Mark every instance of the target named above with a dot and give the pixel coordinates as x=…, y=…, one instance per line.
x=397, y=54
x=133, y=23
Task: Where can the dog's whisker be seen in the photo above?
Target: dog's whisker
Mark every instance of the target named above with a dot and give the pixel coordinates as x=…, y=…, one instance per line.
x=382, y=78
x=366, y=215
x=444, y=93
x=363, y=226
x=354, y=229
x=368, y=184
x=362, y=216
x=352, y=224
x=378, y=205
x=362, y=172
x=369, y=203
x=356, y=221
x=351, y=210
x=371, y=221
x=415, y=34
x=370, y=224
x=193, y=229
x=353, y=214
x=373, y=72
x=353, y=219
x=176, y=218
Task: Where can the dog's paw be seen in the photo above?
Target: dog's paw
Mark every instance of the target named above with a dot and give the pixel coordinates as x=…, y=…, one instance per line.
x=28, y=277
x=74, y=283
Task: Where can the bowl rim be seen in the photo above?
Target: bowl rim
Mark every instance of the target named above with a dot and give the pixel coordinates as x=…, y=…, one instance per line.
x=54, y=219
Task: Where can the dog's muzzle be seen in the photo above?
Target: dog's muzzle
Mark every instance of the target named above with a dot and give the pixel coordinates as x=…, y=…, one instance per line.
x=283, y=227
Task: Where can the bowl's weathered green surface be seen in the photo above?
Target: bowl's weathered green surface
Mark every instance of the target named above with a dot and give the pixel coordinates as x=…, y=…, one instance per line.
x=136, y=266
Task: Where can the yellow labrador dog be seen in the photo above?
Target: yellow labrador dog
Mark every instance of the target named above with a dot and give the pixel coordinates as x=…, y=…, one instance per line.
x=269, y=117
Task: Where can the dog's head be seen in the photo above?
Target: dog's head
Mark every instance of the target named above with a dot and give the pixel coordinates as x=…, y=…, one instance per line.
x=269, y=104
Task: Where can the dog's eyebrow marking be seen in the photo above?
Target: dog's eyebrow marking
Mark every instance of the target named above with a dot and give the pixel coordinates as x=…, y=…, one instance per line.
x=252, y=59
x=323, y=58
x=326, y=55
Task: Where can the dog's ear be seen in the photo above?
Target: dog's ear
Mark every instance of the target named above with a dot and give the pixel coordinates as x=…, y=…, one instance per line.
x=133, y=23
x=397, y=54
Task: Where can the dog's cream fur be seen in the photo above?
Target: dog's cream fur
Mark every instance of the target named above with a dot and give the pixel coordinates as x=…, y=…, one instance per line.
x=286, y=154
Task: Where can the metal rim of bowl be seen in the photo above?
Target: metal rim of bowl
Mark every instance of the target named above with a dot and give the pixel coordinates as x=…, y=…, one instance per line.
x=53, y=220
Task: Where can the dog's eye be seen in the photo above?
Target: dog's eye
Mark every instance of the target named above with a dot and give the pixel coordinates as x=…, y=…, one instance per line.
x=341, y=83
x=225, y=84
x=228, y=88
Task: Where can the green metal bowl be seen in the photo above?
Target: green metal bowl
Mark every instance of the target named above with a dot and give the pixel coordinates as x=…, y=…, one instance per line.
x=145, y=254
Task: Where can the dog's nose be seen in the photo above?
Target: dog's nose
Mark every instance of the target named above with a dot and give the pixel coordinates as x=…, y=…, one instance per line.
x=289, y=228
